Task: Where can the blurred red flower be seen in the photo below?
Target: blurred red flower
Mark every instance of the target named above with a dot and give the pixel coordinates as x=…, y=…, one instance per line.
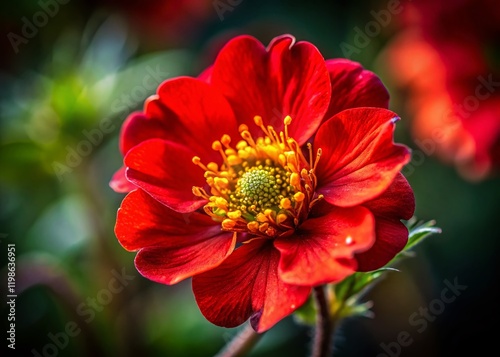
x=446, y=58
x=174, y=21
x=273, y=172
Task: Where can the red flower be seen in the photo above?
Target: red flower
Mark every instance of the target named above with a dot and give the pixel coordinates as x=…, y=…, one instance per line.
x=160, y=21
x=289, y=188
x=444, y=57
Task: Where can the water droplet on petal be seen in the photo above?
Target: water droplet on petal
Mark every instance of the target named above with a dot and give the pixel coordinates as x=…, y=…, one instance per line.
x=349, y=240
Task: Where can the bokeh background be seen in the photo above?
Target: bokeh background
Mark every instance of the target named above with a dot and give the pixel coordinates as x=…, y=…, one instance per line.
x=71, y=72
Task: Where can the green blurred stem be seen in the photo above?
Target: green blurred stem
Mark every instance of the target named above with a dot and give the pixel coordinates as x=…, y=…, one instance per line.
x=241, y=344
x=322, y=346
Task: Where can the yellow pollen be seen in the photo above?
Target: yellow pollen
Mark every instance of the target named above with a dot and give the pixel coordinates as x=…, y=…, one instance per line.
x=280, y=218
x=253, y=226
x=263, y=227
x=263, y=185
x=216, y=145
x=241, y=145
x=228, y=224
x=234, y=214
x=221, y=182
x=261, y=218
x=286, y=203
x=212, y=166
x=299, y=197
x=233, y=160
x=269, y=213
x=258, y=120
x=271, y=232
x=294, y=179
x=221, y=202
x=226, y=140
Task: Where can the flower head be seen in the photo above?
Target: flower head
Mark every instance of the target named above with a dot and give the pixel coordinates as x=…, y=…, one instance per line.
x=273, y=172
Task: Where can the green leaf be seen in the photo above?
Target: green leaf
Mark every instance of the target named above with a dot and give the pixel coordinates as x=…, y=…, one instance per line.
x=306, y=314
x=349, y=291
x=421, y=232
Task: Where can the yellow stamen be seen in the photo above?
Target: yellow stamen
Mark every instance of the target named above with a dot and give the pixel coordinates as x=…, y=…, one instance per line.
x=212, y=166
x=234, y=214
x=226, y=140
x=253, y=226
x=221, y=182
x=263, y=227
x=228, y=224
x=280, y=218
x=271, y=232
x=286, y=203
x=318, y=156
x=299, y=197
x=216, y=145
x=261, y=218
x=264, y=185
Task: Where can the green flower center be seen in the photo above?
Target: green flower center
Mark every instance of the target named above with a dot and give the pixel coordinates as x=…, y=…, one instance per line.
x=265, y=186
x=260, y=187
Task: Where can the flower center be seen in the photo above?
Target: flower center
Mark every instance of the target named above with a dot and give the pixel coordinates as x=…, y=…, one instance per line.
x=260, y=187
x=264, y=186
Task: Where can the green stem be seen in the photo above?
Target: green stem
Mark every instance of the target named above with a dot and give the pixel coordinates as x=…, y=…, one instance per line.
x=241, y=344
x=322, y=346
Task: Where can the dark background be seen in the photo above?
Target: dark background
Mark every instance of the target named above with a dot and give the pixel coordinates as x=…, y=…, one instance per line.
x=87, y=63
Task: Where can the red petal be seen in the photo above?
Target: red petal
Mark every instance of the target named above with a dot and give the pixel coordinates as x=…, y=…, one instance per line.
x=360, y=159
x=353, y=86
x=194, y=113
x=206, y=75
x=392, y=236
x=322, y=250
x=171, y=265
x=397, y=202
x=119, y=182
x=138, y=128
x=186, y=111
x=143, y=222
x=284, y=79
x=247, y=285
x=164, y=169
x=174, y=246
